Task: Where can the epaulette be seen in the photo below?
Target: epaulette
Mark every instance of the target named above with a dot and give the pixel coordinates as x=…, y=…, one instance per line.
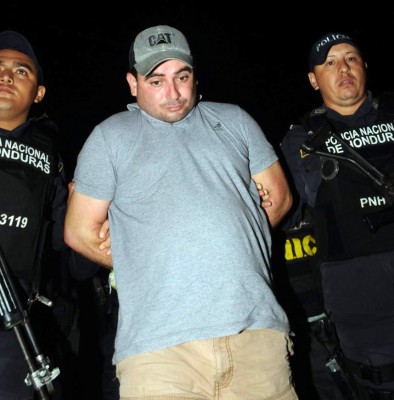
x=384, y=103
x=314, y=119
x=46, y=125
x=47, y=132
x=318, y=111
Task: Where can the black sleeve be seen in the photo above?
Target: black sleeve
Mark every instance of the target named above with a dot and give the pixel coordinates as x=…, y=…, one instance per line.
x=81, y=268
x=59, y=207
x=291, y=150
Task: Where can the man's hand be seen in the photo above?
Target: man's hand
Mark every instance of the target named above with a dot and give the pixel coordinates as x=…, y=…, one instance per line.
x=70, y=190
x=264, y=195
x=104, y=234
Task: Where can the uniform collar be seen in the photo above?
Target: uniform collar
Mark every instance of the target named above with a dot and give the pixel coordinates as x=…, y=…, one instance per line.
x=17, y=131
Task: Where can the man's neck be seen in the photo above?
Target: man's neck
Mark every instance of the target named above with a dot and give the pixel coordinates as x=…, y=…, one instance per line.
x=346, y=109
x=11, y=124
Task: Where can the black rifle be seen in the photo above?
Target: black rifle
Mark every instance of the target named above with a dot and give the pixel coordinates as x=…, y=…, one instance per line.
x=14, y=316
x=384, y=183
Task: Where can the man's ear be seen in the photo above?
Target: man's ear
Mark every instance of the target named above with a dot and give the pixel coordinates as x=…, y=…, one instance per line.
x=312, y=80
x=132, y=81
x=41, y=90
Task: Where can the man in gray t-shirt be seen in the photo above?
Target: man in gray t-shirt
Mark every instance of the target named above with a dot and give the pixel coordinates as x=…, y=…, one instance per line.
x=190, y=241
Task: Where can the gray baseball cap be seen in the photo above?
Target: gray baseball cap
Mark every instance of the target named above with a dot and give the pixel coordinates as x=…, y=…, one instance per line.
x=13, y=40
x=157, y=44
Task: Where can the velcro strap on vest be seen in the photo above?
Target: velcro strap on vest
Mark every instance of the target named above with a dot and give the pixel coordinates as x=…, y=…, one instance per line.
x=376, y=375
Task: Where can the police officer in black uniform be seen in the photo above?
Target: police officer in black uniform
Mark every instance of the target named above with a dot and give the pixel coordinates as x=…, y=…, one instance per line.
x=33, y=192
x=99, y=314
x=341, y=158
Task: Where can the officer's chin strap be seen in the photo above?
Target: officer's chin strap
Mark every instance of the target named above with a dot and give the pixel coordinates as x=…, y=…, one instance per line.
x=14, y=316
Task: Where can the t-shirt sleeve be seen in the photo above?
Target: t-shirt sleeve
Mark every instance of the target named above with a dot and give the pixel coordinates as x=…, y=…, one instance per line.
x=261, y=152
x=95, y=172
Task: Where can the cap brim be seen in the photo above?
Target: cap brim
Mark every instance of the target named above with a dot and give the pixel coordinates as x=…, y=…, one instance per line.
x=146, y=66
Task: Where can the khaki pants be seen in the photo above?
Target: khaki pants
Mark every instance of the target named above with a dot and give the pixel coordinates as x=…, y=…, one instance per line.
x=252, y=365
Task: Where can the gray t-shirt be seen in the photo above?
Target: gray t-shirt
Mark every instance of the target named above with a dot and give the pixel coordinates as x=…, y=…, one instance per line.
x=191, y=245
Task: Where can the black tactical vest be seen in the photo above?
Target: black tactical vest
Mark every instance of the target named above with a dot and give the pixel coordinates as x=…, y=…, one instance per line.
x=28, y=165
x=346, y=195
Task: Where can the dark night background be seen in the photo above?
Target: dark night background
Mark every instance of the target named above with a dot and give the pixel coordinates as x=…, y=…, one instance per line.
x=254, y=58
x=257, y=59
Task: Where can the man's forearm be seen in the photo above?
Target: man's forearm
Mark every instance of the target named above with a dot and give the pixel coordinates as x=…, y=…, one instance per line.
x=87, y=243
x=86, y=227
x=278, y=211
x=96, y=255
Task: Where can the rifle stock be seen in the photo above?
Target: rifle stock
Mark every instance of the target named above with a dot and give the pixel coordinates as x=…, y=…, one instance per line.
x=14, y=316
